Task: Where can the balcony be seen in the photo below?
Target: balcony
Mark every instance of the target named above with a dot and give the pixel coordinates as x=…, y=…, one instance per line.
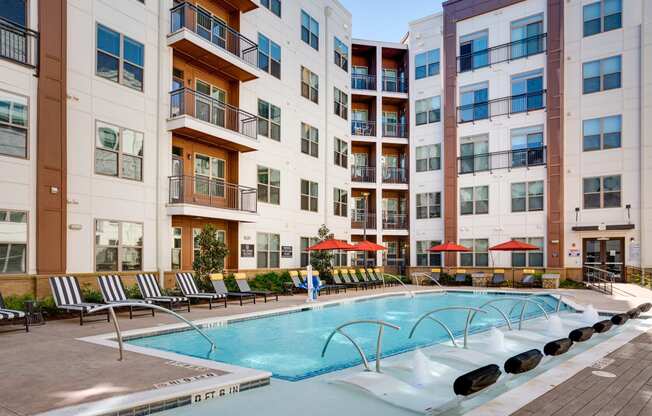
x=363, y=82
x=205, y=197
x=365, y=174
x=391, y=84
x=395, y=175
x=510, y=159
x=210, y=41
x=18, y=44
x=395, y=130
x=363, y=128
x=197, y=115
x=358, y=220
x=515, y=104
x=507, y=52
x=394, y=221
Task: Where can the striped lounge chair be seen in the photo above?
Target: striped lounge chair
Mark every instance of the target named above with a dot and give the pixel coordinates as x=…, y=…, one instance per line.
x=67, y=296
x=113, y=292
x=186, y=283
x=151, y=291
x=12, y=316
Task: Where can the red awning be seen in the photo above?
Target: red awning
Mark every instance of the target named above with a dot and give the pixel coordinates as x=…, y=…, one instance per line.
x=449, y=248
x=514, y=245
x=367, y=246
x=330, y=245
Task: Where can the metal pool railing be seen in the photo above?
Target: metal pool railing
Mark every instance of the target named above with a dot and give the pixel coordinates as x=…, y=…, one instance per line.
x=471, y=313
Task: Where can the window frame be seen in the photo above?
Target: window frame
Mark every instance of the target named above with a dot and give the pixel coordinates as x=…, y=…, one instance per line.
x=304, y=243
x=340, y=103
x=341, y=153
x=601, y=76
x=432, y=211
x=311, y=140
x=120, y=246
x=528, y=196
x=432, y=109
x=433, y=259
x=268, y=120
x=268, y=185
x=601, y=192
x=436, y=64
x=119, y=152
x=269, y=5
x=601, y=18
x=311, y=85
x=269, y=252
x=269, y=56
x=474, y=200
x=602, y=121
x=121, y=59
x=309, y=30
x=527, y=254
x=309, y=197
x=474, y=253
x=340, y=202
x=432, y=157
x=219, y=181
x=11, y=100
x=173, y=249
x=9, y=243
x=341, y=54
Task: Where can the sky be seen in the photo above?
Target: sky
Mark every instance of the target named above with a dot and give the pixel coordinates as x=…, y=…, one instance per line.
x=387, y=20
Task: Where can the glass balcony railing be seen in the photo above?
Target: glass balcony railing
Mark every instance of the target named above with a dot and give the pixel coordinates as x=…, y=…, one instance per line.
x=510, y=159
x=522, y=103
x=518, y=49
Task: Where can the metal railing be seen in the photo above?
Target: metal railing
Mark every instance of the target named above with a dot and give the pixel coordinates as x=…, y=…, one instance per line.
x=518, y=49
x=509, y=159
x=188, y=16
x=18, y=43
x=599, y=279
x=471, y=312
x=185, y=101
x=515, y=104
x=394, y=175
x=391, y=84
x=363, y=128
x=427, y=276
x=398, y=130
x=363, y=82
x=395, y=221
x=358, y=220
x=363, y=174
x=507, y=317
x=197, y=190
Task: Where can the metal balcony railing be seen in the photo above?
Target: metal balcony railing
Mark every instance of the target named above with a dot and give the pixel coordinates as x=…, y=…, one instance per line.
x=518, y=49
x=358, y=220
x=393, y=221
x=188, y=16
x=204, y=191
x=391, y=84
x=18, y=43
x=363, y=174
x=363, y=82
x=398, y=130
x=363, y=128
x=394, y=175
x=510, y=159
x=188, y=102
x=515, y=104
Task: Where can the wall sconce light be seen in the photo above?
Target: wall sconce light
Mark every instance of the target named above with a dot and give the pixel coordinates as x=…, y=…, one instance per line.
x=628, y=207
x=577, y=213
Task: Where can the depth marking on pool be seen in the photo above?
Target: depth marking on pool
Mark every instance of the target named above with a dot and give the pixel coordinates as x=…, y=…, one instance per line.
x=185, y=380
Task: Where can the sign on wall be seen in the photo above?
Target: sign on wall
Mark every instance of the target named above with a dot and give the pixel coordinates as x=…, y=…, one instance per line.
x=286, y=252
x=574, y=252
x=246, y=250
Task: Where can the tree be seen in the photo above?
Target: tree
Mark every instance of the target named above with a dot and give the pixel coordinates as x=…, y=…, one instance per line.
x=322, y=260
x=211, y=255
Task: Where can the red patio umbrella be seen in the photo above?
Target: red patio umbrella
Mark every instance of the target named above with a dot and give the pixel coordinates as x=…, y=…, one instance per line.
x=365, y=245
x=513, y=245
x=449, y=247
x=331, y=244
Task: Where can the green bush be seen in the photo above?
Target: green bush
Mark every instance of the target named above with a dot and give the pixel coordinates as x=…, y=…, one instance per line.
x=230, y=283
x=49, y=307
x=571, y=284
x=17, y=302
x=132, y=292
x=90, y=294
x=271, y=281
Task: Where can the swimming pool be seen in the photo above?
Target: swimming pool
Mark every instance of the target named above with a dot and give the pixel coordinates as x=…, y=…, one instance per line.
x=289, y=345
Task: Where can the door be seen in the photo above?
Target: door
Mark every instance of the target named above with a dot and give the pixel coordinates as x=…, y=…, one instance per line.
x=606, y=254
x=176, y=183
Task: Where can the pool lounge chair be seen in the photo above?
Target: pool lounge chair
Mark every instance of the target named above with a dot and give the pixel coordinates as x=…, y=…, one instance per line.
x=217, y=279
x=67, y=296
x=435, y=275
x=528, y=278
x=297, y=285
x=12, y=316
x=460, y=277
x=113, y=293
x=498, y=279
x=373, y=277
x=243, y=286
x=354, y=278
x=186, y=283
x=322, y=286
x=151, y=291
x=364, y=278
x=340, y=282
x=346, y=280
x=379, y=276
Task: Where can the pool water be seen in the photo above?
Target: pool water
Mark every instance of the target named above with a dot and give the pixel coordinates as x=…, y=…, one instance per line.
x=289, y=345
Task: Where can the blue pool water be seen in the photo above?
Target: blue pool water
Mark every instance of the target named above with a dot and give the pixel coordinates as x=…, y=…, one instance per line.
x=289, y=345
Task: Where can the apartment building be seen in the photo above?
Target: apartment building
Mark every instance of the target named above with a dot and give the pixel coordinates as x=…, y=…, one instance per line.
x=128, y=125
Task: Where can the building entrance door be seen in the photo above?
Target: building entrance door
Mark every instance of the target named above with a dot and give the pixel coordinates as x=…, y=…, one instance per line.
x=606, y=254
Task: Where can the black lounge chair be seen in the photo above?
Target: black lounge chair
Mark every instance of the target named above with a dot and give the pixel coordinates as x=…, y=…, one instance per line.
x=12, y=316
x=460, y=277
x=498, y=279
x=348, y=280
x=113, y=293
x=217, y=279
x=67, y=296
x=528, y=279
x=186, y=283
x=243, y=286
x=151, y=291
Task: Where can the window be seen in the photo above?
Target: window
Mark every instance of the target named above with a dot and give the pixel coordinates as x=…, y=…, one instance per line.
x=429, y=205
x=602, y=192
x=526, y=37
x=426, y=64
x=428, y=110
x=527, y=196
x=119, y=58
x=533, y=258
x=304, y=243
x=13, y=241
x=119, y=152
x=474, y=200
x=209, y=175
x=425, y=257
x=118, y=246
x=602, y=133
x=340, y=198
x=603, y=16
x=269, y=185
x=15, y=11
x=341, y=55
x=474, y=103
x=474, y=154
x=309, y=140
x=269, y=120
x=13, y=125
x=474, y=52
x=309, y=85
x=340, y=258
x=309, y=195
x=341, y=153
x=341, y=107
x=210, y=103
x=269, y=56
x=527, y=147
x=274, y=6
x=428, y=157
x=527, y=92
x=601, y=75
x=479, y=256
x=309, y=30
x=176, y=248
x=268, y=250
x=196, y=249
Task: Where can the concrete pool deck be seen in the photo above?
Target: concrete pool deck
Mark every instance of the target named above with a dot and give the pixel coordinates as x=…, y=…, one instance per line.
x=51, y=368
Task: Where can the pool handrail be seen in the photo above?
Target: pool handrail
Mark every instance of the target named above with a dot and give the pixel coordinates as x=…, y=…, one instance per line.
x=428, y=276
x=513, y=298
x=470, y=309
x=411, y=293
x=365, y=361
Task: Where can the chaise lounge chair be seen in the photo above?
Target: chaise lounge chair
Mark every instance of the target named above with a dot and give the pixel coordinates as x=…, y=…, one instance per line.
x=151, y=291
x=528, y=278
x=296, y=282
x=460, y=277
x=186, y=283
x=67, y=296
x=113, y=292
x=12, y=316
x=217, y=279
x=365, y=279
x=498, y=279
x=243, y=286
x=435, y=275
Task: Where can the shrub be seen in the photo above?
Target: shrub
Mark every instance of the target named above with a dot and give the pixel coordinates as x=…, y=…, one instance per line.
x=132, y=292
x=230, y=283
x=90, y=294
x=49, y=307
x=210, y=259
x=322, y=260
x=17, y=302
x=271, y=281
x=571, y=284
